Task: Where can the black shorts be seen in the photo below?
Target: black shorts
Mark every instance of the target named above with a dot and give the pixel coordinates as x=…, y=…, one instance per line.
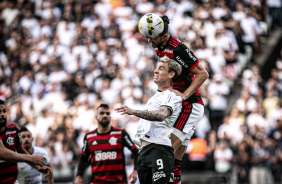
x=155, y=164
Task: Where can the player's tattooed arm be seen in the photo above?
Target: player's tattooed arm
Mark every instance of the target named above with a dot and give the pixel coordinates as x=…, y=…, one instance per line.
x=158, y=115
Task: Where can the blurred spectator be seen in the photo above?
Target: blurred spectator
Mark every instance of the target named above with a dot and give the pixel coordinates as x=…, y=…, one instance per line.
x=203, y=127
x=10, y=12
x=197, y=150
x=246, y=103
x=255, y=120
x=274, y=8
x=211, y=145
x=223, y=156
x=270, y=101
x=242, y=156
x=251, y=31
x=216, y=62
x=276, y=156
x=239, y=14
x=217, y=92
x=259, y=172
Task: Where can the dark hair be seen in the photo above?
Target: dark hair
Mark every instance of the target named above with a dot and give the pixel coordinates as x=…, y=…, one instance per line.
x=166, y=22
x=24, y=129
x=2, y=102
x=106, y=106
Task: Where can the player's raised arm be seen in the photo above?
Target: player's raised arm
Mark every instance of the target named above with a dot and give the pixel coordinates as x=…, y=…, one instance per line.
x=8, y=155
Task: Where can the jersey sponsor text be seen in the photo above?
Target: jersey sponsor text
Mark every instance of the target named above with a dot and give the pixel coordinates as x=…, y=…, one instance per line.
x=109, y=155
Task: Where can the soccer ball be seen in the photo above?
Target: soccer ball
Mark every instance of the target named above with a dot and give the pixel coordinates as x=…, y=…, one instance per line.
x=151, y=25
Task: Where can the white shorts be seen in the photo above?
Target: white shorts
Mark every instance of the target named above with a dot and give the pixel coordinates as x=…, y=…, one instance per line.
x=186, y=122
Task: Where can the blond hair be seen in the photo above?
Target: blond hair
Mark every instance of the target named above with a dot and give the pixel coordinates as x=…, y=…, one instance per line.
x=172, y=65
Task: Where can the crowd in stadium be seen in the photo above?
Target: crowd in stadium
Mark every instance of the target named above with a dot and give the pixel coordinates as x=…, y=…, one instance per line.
x=60, y=59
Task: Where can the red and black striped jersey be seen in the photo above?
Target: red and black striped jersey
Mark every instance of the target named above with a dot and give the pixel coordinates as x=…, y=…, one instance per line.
x=176, y=50
x=107, y=157
x=11, y=140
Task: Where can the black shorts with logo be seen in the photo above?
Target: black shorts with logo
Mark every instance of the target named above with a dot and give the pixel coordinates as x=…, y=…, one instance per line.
x=155, y=164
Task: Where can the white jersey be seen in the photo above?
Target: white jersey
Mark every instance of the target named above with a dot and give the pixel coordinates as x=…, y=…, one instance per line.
x=155, y=131
x=27, y=174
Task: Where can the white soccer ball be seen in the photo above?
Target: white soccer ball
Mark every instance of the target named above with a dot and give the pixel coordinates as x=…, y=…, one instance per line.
x=151, y=25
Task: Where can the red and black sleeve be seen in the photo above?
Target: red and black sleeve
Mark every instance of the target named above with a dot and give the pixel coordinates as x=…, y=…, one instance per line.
x=127, y=142
x=83, y=161
x=185, y=57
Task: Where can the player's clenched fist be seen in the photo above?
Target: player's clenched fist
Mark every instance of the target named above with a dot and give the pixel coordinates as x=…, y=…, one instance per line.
x=45, y=169
x=37, y=160
x=78, y=180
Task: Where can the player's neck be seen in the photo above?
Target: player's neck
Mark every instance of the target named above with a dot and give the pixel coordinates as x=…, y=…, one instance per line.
x=166, y=40
x=165, y=86
x=30, y=150
x=103, y=130
x=2, y=129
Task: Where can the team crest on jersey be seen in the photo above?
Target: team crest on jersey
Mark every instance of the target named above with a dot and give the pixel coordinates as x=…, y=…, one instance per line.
x=113, y=141
x=10, y=141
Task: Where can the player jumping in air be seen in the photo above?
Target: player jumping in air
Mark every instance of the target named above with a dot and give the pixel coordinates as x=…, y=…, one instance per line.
x=155, y=29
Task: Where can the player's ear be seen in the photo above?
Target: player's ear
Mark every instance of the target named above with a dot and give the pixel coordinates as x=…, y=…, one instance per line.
x=171, y=74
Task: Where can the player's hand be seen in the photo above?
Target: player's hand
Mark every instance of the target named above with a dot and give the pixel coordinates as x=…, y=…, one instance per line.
x=124, y=110
x=78, y=180
x=45, y=169
x=37, y=160
x=182, y=95
x=133, y=177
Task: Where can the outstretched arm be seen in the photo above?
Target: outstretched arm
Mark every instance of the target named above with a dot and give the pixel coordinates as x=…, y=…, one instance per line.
x=159, y=115
x=12, y=156
x=41, y=168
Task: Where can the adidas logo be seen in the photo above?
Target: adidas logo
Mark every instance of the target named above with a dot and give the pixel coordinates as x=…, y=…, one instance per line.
x=94, y=143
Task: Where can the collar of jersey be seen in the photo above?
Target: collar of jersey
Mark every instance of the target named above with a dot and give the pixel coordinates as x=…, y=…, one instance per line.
x=104, y=133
